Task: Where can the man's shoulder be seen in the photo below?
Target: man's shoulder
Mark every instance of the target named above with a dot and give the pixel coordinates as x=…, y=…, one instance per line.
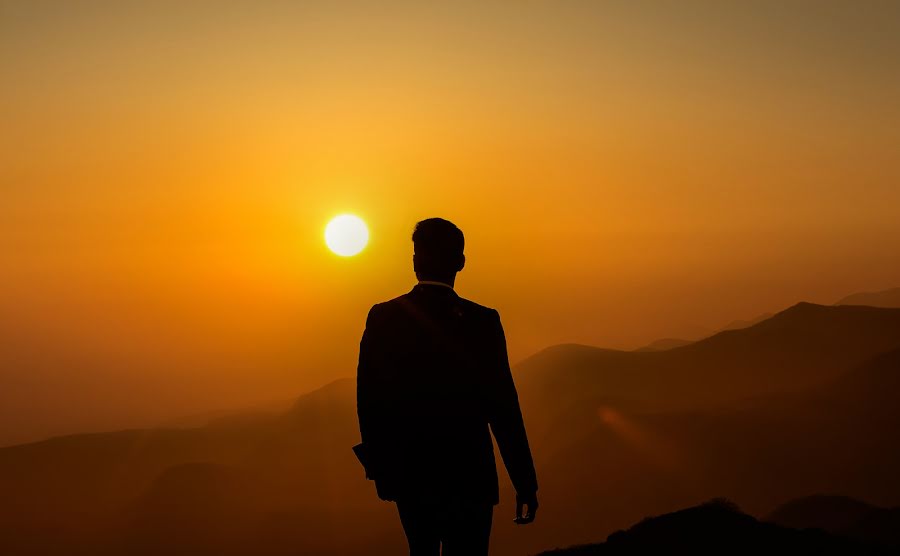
x=386, y=308
x=395, y=302
x=477, y=308
x=402, y=302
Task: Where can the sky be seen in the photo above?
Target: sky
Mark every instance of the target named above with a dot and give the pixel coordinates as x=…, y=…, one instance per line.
x=623, y=172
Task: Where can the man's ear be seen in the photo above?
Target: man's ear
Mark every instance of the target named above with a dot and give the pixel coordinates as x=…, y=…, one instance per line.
x=462, y=263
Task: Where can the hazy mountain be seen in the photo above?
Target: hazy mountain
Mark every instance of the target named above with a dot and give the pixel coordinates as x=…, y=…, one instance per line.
x=612, y=463
x=718, y=528
x=885, y=298
x=741, y=323
x=804, y=402
x=232, y=414
x=668, y=343
x=664, y=344
x=262, y=486
x=801, y=346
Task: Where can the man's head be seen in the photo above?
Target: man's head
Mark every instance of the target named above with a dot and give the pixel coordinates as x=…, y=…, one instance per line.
x=438, y=250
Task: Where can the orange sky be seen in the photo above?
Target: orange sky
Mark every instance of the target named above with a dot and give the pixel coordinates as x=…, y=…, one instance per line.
x=622, y=173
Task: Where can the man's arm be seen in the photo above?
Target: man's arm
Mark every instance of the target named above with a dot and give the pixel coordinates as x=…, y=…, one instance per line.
x=367, y=397
x=509, y=428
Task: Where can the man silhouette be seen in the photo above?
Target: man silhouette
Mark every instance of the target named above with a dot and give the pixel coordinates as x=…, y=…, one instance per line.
x=433, y=382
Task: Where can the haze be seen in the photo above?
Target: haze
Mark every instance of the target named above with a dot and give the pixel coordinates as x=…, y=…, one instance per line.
x=622, y=174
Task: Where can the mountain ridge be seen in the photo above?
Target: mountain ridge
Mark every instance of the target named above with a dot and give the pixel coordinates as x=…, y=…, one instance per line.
x=883, y=298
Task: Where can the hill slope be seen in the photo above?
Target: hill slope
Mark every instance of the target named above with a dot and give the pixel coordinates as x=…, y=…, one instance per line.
x=795, y=349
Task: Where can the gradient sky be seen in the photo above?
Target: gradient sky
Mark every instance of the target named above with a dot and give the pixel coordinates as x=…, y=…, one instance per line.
x=623, y=171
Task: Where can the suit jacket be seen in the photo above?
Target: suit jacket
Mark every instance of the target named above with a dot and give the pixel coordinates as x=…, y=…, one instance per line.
x=433, y=381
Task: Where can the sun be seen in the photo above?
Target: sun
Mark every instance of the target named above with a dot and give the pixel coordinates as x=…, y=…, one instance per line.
x=346, y=235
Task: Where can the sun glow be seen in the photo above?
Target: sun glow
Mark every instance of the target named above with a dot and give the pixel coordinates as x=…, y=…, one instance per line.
x=346, y=235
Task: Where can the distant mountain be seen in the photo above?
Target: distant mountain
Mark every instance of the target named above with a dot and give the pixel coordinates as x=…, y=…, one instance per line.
x=837, y=436
x=885, y=298
x=258, y=411
x=740, y=323
x=669, y=343
x=664, y=344
x=611, y=454
x=718, y=528
x=841, y=515
x=803, y=345
x=265, y=486
x=806, y=401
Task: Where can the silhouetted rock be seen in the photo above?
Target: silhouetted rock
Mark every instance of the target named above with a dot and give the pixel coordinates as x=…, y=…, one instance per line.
x=717, y=527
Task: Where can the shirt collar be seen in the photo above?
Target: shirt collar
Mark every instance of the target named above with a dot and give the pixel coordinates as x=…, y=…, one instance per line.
x=434, y=283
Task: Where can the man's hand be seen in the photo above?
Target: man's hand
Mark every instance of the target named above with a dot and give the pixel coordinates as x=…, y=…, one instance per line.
x=522, y=500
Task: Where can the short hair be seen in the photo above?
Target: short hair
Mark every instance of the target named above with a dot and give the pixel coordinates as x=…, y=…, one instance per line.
x=438, y=246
